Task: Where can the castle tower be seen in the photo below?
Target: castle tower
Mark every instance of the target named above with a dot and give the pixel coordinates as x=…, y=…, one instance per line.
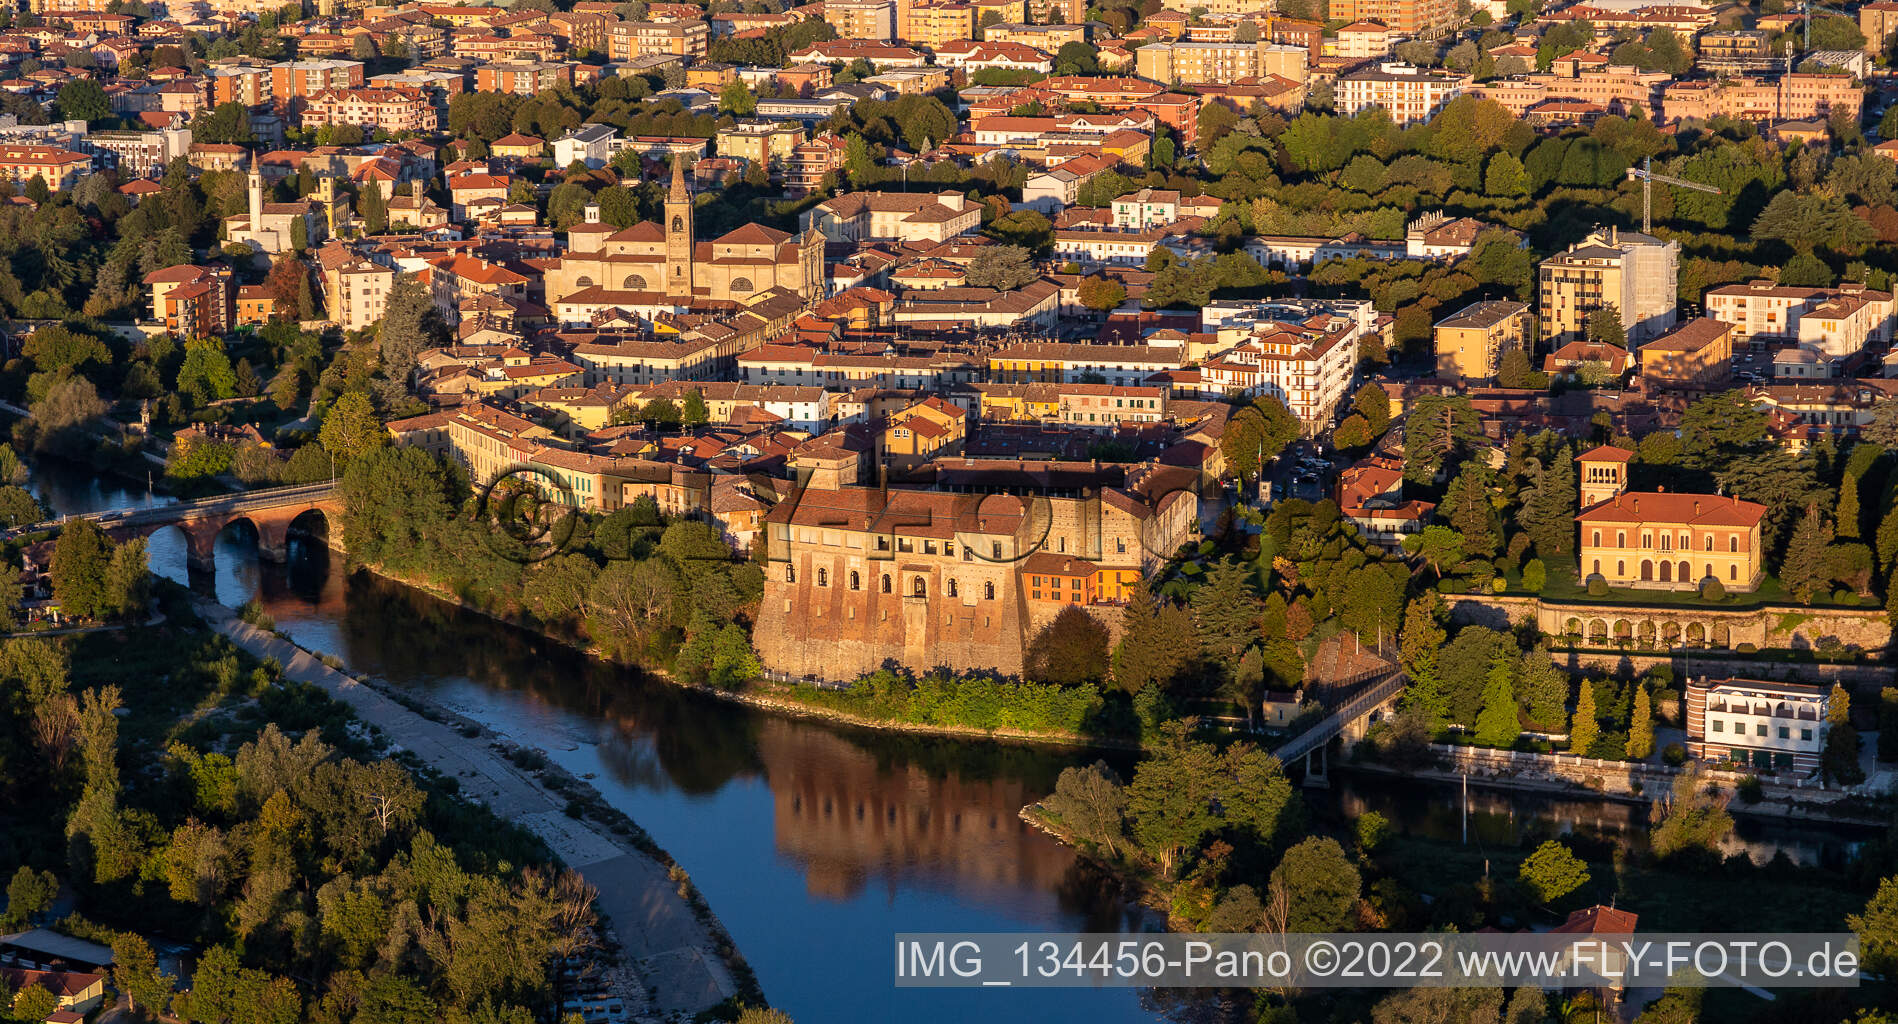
x=678, y=236
x=1603, y=473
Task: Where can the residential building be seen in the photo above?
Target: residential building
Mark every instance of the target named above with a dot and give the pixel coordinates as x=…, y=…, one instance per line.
x=915, y=435
x=1302, y=352
x=1412, y=18
x=142, y=154
x=1146, y=209
x=937, y=24
x=246, y=84
x=1877, y=21
x=292, y=80
x=523, y=77
x=1634, y=273
x=1370, y=494
x=193, y=302
x=392, y=111
x=811, y=162
x=766, y=144
x=1757, y=725
x=1410, y=94
x=894, y=217
x=1697, y=355
x=1663, y=540
x=874, y=20
x=1761, y=312
x=630, y=40
x=590, y=144
x=59, y=168
x=1177, y=62
x=1471, y=342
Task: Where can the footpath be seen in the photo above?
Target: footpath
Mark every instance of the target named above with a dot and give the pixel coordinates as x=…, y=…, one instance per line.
x=672, y=953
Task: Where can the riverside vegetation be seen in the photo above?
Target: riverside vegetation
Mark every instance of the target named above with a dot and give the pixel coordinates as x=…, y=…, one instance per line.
x=169, y=789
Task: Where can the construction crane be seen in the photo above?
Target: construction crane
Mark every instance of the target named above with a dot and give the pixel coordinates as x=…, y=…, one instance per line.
x=1645, y=174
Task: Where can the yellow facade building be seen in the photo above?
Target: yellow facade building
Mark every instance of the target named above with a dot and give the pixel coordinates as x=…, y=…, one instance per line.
x=1658, y=540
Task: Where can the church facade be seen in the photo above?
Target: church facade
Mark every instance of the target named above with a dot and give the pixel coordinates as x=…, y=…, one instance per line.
x=658, y=265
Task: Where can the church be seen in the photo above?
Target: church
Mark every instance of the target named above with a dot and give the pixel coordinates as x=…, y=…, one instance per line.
x=270, y=227
x=648, y=267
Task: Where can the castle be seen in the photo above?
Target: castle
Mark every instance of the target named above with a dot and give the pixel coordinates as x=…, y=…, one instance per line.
x=651, y=267
x=861, y=578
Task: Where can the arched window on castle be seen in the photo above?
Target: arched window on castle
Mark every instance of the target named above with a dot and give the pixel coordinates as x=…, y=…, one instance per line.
x=988, y=591
x=823, y=577
x=886, y=582
x=790, y=574
x=856, y=581
x=952, y=588
x=919, y=588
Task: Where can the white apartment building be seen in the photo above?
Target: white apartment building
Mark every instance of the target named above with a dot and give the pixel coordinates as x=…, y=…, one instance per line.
x=1302, y=352
x=1146, y=209
x=1411, y=94
x=1843, y=320
x=1762, y=725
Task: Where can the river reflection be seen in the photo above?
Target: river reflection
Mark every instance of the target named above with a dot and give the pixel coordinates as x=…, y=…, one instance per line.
x=814, y=845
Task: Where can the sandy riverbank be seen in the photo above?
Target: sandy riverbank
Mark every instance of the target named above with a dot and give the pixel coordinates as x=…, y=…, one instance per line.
x=677, y=958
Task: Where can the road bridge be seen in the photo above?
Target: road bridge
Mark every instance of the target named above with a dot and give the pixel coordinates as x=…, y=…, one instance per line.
x=1349, y=717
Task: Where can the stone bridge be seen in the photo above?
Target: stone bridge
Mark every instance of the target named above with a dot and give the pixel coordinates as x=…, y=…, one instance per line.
x=272, y=512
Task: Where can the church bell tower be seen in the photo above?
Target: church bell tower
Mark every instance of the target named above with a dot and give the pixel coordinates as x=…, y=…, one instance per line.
x=678, y=236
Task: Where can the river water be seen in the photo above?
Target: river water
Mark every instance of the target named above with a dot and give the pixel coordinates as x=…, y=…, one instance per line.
x=814, y=845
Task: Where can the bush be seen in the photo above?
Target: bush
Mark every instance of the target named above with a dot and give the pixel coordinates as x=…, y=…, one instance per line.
x=1746, y=648
x=1751, y=791
x=1597, y=587
x=1675, y=755
x=1535, y=576
x=1499, y=584
x=253, y=613
x=1713, y=590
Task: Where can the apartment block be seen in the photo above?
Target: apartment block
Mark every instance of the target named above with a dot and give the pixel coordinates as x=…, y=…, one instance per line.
x=634, y=39
x=1173, y=63
x=874, y=20
x=385, y=110
x=1878, y=21
x=1635, y=273
x=298, y=79
x=248, y=85
x=194, y=302
x=1852, y=316
x=523, y=77
x=1410, y=94
x=1470, y=343
x=935, y=25
x=1414, y=18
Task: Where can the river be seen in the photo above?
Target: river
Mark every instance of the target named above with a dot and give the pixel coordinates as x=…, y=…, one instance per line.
x=814, y=845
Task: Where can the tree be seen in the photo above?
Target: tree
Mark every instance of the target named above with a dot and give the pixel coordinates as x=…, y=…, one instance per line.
x=135, y=973
x=207, y=370
x=736, y=99
x=1840, y=759
x=1316, y=885
x=1005, y=267
x=1804, y=569
x=1641, y=726
x=1374, y=404
x=1439, y=547
x=34, y=1003
x=29, y=894
x=410, y=323
x=125, y=587
x=83, y=100
x=1071, y=650
x=1583, y=726
x=1605, y=328
x=1420, y=641
x=1256, y=434
x=694, y=412
x=1692, y=817
x=1552, y=872
x=1547, y=513
x=1438, y=433
x=1226, y=613
x=1155, y=643
x=1496, y=724
x=1505, y=177
x=1101, y=294
x=1877, y=928
x=351, y=429
x=80, y=560
x=373, y=207
x=1091, y=804
x=1170, y=800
